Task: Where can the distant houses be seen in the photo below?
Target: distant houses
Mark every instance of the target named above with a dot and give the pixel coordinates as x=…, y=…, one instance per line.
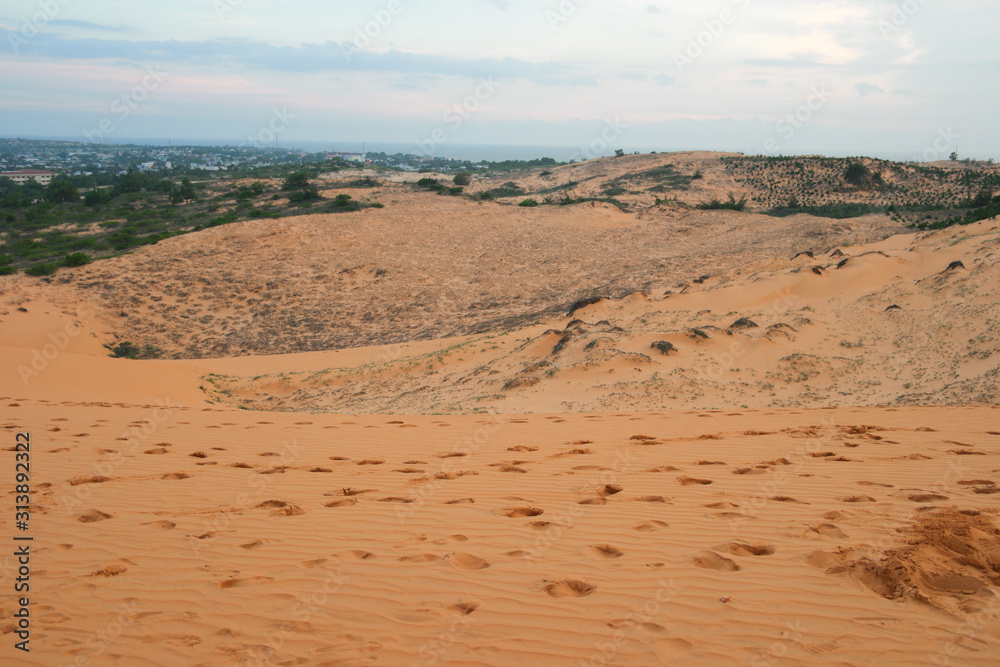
x=22, y=176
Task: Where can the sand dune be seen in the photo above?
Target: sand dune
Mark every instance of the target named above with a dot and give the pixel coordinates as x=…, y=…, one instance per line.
x=781, y=459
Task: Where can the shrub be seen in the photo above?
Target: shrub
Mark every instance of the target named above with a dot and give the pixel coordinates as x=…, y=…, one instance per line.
x=308, y=193
x=7, y=270
x=462, y=178
x=77, y=259
x=731, y=205
x=297, y=181
x=61, y=191
x=454, y=192
x=96, y=197
x=485, y=194
x=528, y=202
x=42, y=269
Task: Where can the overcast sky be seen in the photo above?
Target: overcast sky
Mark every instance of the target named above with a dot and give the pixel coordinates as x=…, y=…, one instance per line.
x=914, y=79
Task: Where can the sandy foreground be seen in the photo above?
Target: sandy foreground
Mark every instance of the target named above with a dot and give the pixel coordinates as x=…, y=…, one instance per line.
x=177, y=534
x=171, y=530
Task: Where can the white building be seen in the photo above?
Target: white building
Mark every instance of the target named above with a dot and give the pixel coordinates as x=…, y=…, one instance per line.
x=22, y=176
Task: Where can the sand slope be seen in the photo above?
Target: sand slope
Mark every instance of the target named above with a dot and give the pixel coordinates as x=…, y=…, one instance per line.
x=185, y=536
x=802, y=332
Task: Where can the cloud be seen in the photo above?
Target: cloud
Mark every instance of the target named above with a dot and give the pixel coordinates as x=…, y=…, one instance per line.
x=653, y=9
x=307, y=58
x=665, y=79
x=866, y=89
x=88, y=25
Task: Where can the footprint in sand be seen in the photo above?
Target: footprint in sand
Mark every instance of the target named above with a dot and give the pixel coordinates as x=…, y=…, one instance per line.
x=539, y=525
x=89, y=479
x=926, y=497
x=320, y=470
x=162, y=525
x=663, y=469
x=176, y=475
x=420, y=558
x=593, y=501
x=690, y=481
x=395, y=499
x=573, y=588
x=451, y=455
x=710, y=560
x=650, y=526
x=409, y=471
x=93, y=516
x=371, y=462
x=747, y=549
x=463, y=608
x=522, y=448
x=242, y=583
x=634, y=625
x=604, y=552
x=724, y=505
x=357, y=555
x=858, y=499
x=467, y=561
x=653, y=499
x=976, y=482
x=520, y=512
x=609, y=490
x=878, y=484
x=346, y=502
x=312, y=564
x=824, y=560
x=461, y=501
x=156, y=451
x=712, y=463
x=829, y=530
x=788, y=499
x=283, y=508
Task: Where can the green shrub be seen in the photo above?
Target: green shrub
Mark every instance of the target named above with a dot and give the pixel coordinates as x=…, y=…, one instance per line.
x=42, y=269
x=77, y=259
x=528, y=202
x=731, y=205
x=463, y=178
x=7, y=270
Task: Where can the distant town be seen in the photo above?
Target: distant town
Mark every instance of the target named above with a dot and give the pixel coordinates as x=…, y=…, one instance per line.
x=85, y=159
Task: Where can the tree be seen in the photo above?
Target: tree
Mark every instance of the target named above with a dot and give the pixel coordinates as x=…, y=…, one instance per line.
x=61, y=190
x=96, y=197
x=462, y=178
x=954, y=156
x=297, y=181
x=619, y=152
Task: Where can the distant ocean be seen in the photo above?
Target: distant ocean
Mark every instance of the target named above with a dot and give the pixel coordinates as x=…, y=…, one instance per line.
x=477, y=152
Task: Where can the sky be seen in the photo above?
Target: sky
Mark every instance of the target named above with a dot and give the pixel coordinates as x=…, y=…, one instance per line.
x=914, y=79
